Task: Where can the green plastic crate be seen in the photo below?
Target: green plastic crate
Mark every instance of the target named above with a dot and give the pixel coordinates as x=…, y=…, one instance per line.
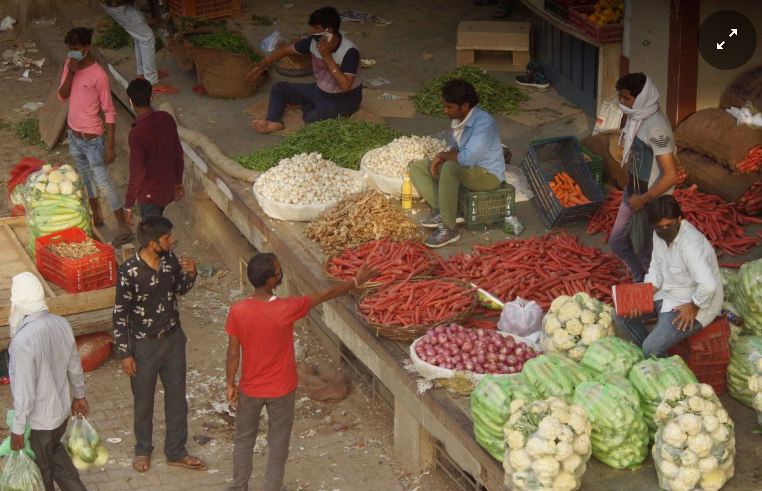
x=595, y=165
x=481, y=208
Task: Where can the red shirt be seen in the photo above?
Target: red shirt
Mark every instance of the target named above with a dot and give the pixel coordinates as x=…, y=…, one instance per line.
x=156, y=160
x=266, y=333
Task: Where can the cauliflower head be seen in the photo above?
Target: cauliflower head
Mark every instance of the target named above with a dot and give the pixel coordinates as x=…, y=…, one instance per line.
x=673, y=435
x=713, y=481
x=577, y=353
x=515, y=440
x=690, y=424
x=700, y=444
x=565, y=481
x=66, y=187
x=574, y=327
x=551, y=324
x=52, y=188
x=71, y=176
x=587, y=317
x=546, y=467
x=582, y=444
x=606, y=320
x=56, y=176
x=520, y=460
x=572, y=464
x=591, y=334
x=558, y=303
x=668, y=469
x=569, y=311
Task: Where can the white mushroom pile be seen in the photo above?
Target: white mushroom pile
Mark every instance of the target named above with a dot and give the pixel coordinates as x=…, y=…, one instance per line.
x=307, y=179
x=393, y=159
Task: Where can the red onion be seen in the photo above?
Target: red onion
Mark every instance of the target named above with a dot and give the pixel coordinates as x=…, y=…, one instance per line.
x=519, y=367
x=491, y=357
x=455, y=351
x=430, y=352
x=511, y=360
x=492, y=368
x=502, y=357
x=460, y=366
x=447, y=345
x=505, y=369
x=431, y=333
x=510, y=342
x=442, y=338
x=498, y=341
x=522, y=345
x=504, y=351
x=479, y=369
x=519, y=351
x=491, y=348
x=512, y=369
x=446, y=352
x=481, y=359
x=460, y=341
x=469, y=366
x=467, y=347
x=481, y=332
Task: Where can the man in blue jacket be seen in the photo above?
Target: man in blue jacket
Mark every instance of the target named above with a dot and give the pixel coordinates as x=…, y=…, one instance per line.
x=475, y=162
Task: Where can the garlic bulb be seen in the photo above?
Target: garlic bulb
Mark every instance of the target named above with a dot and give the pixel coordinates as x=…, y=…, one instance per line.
x=307, y=179
x=393, y=159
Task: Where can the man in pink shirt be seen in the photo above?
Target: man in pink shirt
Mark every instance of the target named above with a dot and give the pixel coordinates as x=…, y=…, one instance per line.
x=86, y=86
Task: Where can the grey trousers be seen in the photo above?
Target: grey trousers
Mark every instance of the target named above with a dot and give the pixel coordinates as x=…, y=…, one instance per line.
x=163, y=358
x=280, y=412
x=53, y=461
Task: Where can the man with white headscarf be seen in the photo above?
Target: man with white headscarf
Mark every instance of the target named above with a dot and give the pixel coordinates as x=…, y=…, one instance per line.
x=649, y=154
x=43, y=362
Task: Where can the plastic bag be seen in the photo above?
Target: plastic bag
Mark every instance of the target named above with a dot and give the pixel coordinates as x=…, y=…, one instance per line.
x=21, y=474
x=748, y=297
x=652, y=378
x=619, y=432
x=747, y=115
x=271, y=42
x=18, y=177
x=755, y=387
x=515, y=177
x=555, y=376
x=512, y=225
x=547, y=445
x=611, y=355
x=491, y=408
x=729, y=283
x=5, y=447
x=574, y=323
x=695, y=442
x=83, y=445
x=520, y=317
x=744, y=356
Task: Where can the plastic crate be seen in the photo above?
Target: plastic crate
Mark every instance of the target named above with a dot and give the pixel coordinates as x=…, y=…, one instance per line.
x=204, y=9
x=556, y=10
x=602, y=34
x=76, y=275
x=707, y=353
x=547, y=158
x=487, y=207
x=595, y=165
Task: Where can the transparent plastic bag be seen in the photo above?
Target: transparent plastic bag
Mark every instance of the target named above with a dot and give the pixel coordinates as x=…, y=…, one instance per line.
x=271, y=42
x=555, y=376
x=619, y=432
x=520, y=317
x=745, y=354
x=574, y=323
x=515, y=177
x=21, y=474
x=755, y=387
x=5, y=447
x=83, y=444
x=611, y=355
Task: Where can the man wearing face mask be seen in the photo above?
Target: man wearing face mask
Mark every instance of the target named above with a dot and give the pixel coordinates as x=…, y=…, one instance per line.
x=686, y=282
x=649, y=154
x=151, y=342
x=263, y=327
x=156, y=157
x=336, y=66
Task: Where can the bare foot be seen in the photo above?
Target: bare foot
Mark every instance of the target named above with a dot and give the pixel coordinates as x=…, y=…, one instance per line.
x=264, y=126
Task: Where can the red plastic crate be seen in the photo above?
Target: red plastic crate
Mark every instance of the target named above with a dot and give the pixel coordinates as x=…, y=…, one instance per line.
x=711, y=374
x=602, y=34
x=204, y=9
x=76, y=275
x=707, y=353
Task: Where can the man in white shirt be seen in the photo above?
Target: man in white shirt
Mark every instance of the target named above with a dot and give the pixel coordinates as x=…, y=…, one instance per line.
x=686, y=281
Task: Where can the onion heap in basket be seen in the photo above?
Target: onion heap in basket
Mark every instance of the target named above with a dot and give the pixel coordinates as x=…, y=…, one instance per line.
x=307, y=179
x=393, y=159
x=474, y=350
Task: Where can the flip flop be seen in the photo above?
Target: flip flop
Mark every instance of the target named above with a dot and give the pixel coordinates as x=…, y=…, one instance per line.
x=141, y=459
x=162, y=73
x=122, y=239
x=201, y=466
x=167, y=89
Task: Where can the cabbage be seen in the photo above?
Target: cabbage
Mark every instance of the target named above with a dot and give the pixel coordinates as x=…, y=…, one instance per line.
x=102, y=458
x=80, y=464
x=88, y=455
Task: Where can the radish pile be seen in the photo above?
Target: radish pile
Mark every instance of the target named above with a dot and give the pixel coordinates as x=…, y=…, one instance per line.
x=474, y=350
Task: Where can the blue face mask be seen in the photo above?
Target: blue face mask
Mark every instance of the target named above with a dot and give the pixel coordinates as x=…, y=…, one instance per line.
x=76, y=55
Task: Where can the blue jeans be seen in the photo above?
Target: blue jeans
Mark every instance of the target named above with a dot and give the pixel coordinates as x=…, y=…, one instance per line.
x=88, y=154
x=621, y=245
x=664, y=336
x=315, y=106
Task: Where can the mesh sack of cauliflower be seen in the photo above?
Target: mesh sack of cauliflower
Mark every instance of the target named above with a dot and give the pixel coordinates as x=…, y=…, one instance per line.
x=748, y=297
x=619, y=432
x=21, y=474
x=574, y=323
x=55, y=201
x=729, y=283
x=302, y=187
x=695, y=442
x=652, y=378
x=609, y=355
x=491, y=409
x=83, y=444
x=547, y=445
x=555, y=376
x=755, y=387
x=386, y=166
x=744, y=357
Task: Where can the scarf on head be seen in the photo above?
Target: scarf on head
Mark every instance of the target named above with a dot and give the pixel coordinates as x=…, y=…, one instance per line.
x=646, y=104
x=27, y=298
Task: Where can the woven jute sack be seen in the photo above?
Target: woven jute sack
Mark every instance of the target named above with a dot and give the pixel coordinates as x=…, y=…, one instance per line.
x=223, y=74
x=322, y=385
x=747, y=87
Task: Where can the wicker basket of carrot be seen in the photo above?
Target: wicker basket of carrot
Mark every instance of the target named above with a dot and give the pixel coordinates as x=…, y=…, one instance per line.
x=405, y=310
x=561, y=180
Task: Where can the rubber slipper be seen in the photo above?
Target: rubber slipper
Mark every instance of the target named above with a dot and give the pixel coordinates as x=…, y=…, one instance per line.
x=162, y=73
x=122, y=239
x=167, y=89
x=201, y=466
x=141, y=459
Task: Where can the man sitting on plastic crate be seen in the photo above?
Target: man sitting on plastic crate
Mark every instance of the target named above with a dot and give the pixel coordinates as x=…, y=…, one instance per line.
x=686, y=282
x=475, y=162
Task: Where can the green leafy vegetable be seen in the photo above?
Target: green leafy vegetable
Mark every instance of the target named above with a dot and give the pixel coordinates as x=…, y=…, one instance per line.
x=224, y=41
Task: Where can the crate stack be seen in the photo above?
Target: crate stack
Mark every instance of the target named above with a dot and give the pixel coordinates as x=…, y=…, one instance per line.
x=707, y=353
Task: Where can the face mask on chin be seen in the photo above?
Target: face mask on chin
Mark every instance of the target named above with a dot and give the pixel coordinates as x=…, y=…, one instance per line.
x=317, y=37
x=162, y=253
x=668, y=234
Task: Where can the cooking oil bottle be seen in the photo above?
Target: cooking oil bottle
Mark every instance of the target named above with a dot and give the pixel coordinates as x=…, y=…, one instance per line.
x=407, y=192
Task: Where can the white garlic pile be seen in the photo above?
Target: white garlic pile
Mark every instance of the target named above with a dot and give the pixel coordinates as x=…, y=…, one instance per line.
x=307, y=179
x=393, y=159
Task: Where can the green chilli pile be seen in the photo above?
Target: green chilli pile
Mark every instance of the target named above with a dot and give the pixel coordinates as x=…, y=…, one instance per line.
x=224, y=41
x=495, y=97
x=343, y=141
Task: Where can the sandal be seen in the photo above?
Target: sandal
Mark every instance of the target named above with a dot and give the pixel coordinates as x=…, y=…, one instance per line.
x=165, y=89
x=162, y=73
x=190, y=462
x=122, y=239
x=141, y=459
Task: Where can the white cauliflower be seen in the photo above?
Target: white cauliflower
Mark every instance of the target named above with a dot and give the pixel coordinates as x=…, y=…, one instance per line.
x=515, y=440
x=673, y=435
x=680, y=485
x=587, y=317
x=700, y=444
x=689, y=475
x=706, y=391
x=707, y=464
x=40, y=186
x=572, y=464
x=578, y=410
x=565, y=435
x=535, y=447
x=711, y=423
x=47, y=167
x=548, y=429
x=558, y=303
x=520, y=460
x=721, y=434
x=668, y=469
x=565, y=481
x=563, y=451
x=606, y=320
x=577, y=422
x=582, y=444
x=690, y=390
x=581, y=298
x=66, y=167
x=66, y=187
x=551, y=324
x=690, y=424
x=546, y=467
x=591, y=334
x=517, y=404
x=566, y=345
x=577, y=353
x=722, y=415
x=673, y=393
x=574, y=327
x=52, y=188
x=71, y=177
x=713, y=481
x=56, y=176
x=569, y=311
x=662, y=413
x=688, y=458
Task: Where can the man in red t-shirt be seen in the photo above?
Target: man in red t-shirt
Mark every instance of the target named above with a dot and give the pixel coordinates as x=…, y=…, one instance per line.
x=263, y=327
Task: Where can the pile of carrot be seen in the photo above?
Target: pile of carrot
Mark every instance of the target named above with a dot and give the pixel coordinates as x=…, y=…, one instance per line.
x=540, y=268
x=751, y=201
x=752, y=162
x=413, y=303
x=395, y=260
x=682, y=176
x=720, y=222
x=567, y=191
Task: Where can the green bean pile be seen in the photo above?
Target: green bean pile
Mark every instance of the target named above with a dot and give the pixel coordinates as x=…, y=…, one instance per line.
x=343, y=141
x=224, y=41
x=495, y=97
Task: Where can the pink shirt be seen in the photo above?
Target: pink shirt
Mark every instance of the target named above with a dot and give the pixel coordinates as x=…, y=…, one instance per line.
x=90, y=92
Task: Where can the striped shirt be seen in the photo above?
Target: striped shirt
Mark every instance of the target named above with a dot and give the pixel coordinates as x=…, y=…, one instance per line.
x=43, y=362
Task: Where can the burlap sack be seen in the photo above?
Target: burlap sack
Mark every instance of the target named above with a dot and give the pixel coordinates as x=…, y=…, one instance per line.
x=715, y=133
x=600, y=144
x=295, y=66
x=223, y=74
x=615, y=149
x=747, y=87
x=322, y=385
